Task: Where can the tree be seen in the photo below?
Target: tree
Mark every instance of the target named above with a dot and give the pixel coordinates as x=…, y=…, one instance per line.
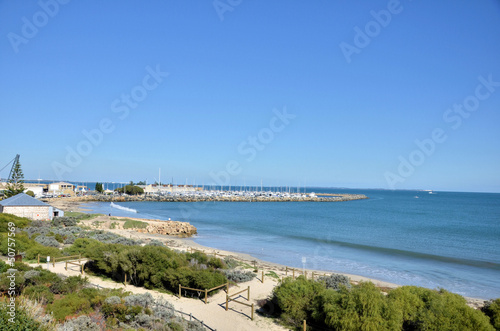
x=15, y=183
x=130, y=190
x=30, y=193
x=98, y=187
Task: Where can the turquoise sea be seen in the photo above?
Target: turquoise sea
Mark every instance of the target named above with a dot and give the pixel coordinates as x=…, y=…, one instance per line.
x=444, y=240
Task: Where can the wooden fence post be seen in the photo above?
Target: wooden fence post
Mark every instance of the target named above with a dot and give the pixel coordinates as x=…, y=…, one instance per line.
x=227, y=301
x=286, y=271
x=38, y=259
x=305, y=325
x=66, y=267
x=248, y=293
x=252, y=311
x=206, y=294
x=179, y=291
x=125, y=280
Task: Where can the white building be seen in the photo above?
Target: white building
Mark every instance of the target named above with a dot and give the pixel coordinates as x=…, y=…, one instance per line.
x=23, y=205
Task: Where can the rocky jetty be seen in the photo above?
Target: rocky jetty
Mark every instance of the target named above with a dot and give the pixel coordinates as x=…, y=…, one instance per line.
x=170, y=228
x=211, y=198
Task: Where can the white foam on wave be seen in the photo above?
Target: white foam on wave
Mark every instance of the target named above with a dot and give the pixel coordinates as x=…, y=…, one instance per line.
x=130, y=210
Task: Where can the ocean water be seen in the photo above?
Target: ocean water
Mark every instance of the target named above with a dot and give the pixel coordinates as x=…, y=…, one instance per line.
x=444, y=240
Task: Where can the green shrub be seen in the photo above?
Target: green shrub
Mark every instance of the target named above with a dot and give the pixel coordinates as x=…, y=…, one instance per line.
x=295, y=298
x=492, y=310
x=71, y=304
x=20, y=222
x=206, y=279
x=3, y=267
x=362, y=307
x=68, y=285
x=8, y=283
x=421, y=308
x=32, y=252
x=216, y=263
x=40, y=293
x=22, y=321
x=64, y=221
x=59, y=238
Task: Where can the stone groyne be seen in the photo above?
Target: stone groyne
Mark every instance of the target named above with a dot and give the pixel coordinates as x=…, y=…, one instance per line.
x=198, y=198
x=170, y=228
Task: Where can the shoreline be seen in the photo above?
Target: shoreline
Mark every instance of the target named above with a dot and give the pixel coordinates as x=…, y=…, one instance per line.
x=188, y=243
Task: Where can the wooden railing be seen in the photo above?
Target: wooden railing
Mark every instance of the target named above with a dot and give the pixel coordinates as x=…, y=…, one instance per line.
x=226, y=285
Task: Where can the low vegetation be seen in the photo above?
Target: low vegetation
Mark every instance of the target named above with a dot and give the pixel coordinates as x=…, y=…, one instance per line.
x=134, y=224
x=365, y=307
x=48, y=302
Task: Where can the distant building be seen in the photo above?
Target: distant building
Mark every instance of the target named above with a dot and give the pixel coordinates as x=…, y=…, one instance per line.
x=81, y=189
x=168, y=188
x=23, y=205
x=37, y=189
x=61, y=188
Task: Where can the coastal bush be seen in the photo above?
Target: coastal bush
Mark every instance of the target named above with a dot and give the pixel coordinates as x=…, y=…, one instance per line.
x=417, y=307
x=33, y=251
x=492, y=310
x=39, y=293
x=81, y=323
x=144, y=300
x=3, y=267
x=239, y=276
x=34, y=231
x=149, y=266
x=20, y=222
x=68, y=285
x=31, y=274
x=365, y=307
x=294, y=299
x=22, y=320
x=335, y=281
x=70, y=304
x=163, y=310
x=64, y=221
x=113, y=300
x=5, y=282
x=39, y=276
x=47, y=241
x=155, y=242
x=230, y=262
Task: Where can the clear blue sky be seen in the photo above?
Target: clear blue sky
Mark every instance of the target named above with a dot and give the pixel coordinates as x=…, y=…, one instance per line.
x=359, y=100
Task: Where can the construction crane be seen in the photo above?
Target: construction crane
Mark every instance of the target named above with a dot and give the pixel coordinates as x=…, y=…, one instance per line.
x=14, y=161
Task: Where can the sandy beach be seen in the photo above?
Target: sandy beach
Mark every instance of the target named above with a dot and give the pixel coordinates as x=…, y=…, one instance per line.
x=214, y=313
